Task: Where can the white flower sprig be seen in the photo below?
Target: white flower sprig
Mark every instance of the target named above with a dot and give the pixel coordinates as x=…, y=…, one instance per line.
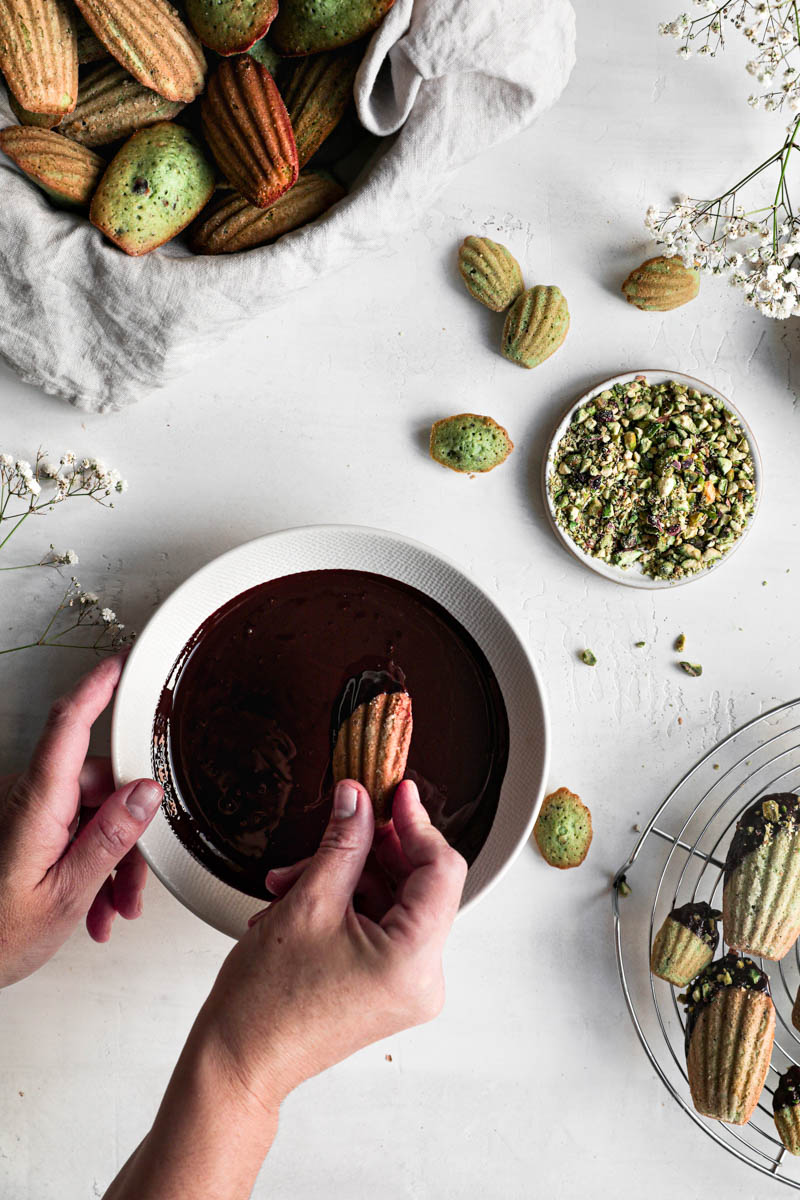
x=759, y=247
x=53, y=558
x=80, y=621
x=772, y=27
x=80, y=613
x=27, y=490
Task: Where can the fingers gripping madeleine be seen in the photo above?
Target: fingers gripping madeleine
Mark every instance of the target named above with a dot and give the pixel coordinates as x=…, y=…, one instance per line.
x=372, y=747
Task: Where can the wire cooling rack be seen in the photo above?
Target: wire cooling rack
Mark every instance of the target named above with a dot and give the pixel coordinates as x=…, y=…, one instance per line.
x=680, y=857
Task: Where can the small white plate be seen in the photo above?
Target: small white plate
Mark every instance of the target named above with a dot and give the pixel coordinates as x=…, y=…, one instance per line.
x=328, y=547
x=632, y=576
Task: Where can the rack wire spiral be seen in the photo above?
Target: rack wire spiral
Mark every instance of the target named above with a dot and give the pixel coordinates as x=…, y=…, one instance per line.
x=669, y=868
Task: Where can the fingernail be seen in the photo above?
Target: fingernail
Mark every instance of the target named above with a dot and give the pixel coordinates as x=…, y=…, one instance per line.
x=345, y=800
x=144, y=800
x=279, y=871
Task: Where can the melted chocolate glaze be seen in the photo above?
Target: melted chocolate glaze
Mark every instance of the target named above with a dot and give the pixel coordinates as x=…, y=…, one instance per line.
x=787, y=1093
x=701, y=919
x=731, y=971
x=245, y=726
x=760, y=822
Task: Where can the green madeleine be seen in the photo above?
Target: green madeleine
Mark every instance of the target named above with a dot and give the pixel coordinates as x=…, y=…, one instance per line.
x=308, y=26
x=491, y=273
x=231, y=26
x=469, y=443
x=563, y=829
x=155, y=185
x=535, y=327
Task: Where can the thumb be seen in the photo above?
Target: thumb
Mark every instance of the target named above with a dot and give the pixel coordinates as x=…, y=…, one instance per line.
x=331, y=876
x=114, y=830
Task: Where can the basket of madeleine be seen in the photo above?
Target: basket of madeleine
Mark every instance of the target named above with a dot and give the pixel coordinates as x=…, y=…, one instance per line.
x=235, y=134
x=212, y=116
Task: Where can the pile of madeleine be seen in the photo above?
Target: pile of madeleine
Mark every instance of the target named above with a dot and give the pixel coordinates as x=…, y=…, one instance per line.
x=156, y=121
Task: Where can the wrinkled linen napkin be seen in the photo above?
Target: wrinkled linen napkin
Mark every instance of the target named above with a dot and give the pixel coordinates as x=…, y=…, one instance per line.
x=81, y=320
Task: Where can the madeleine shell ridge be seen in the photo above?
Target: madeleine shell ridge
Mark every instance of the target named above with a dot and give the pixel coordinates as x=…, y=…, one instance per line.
x=372, y=747
x=67, y=172
x=39, y=54
x=490, y=272
x=729, y=1054
x=317, y=95
x=231, y=224
x=113, y=105
x=149, y=39
x=248, y=130
x=535, y=327
x=661, y=284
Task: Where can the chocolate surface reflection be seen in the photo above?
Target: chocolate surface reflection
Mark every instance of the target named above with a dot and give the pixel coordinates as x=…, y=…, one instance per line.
x=243, y=734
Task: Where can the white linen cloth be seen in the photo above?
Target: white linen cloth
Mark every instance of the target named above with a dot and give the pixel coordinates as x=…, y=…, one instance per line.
x=82, y=320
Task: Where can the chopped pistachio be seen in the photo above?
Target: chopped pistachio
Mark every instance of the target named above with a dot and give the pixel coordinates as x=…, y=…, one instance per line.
x=680, y=643
x=771, y=811
x=639, y=645
x=623, y=887
x=692, y=668
x=656, y=475
x=588, y=657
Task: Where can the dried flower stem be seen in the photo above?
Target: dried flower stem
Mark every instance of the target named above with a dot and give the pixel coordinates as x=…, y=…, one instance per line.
x=106, y=631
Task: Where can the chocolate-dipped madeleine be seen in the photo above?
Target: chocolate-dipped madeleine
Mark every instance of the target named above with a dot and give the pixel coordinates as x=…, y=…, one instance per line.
x=685, y=943
x=372, y=747
x=786, y=1109
x=761, y=895
x=730, y=1028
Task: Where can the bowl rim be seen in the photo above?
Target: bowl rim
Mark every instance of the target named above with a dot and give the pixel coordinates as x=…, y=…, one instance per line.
x=628, y=577
x=119, y=737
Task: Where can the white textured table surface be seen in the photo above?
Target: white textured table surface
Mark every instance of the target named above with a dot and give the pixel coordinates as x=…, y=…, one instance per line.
x=531, y=1083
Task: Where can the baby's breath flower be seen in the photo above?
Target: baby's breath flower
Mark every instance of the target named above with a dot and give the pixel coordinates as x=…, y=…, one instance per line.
x=769, y=27
x=66, y=558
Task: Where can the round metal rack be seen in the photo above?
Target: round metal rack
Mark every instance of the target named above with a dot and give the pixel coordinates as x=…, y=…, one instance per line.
x=680, y=857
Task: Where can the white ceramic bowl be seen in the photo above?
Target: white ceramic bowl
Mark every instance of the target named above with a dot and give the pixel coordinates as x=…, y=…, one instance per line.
x=633, y=576
x=326, y=547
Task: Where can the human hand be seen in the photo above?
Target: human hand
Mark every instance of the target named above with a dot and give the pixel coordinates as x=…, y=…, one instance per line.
x=56, y=864
x=314, y=980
